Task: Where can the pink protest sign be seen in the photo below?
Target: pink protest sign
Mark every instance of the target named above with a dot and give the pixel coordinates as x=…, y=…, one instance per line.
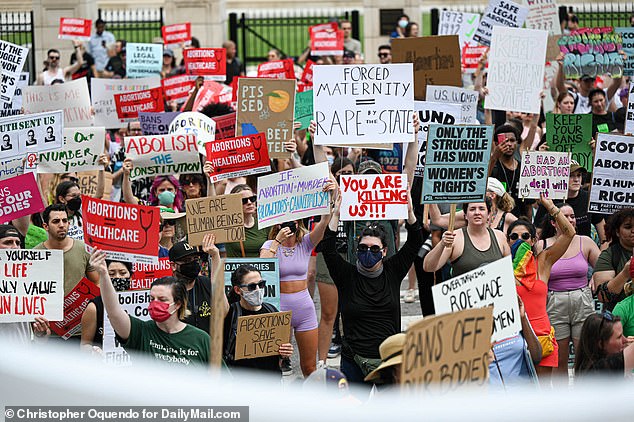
x=19, y=196
x=374, y=197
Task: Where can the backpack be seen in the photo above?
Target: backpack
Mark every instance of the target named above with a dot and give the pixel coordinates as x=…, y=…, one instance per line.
x=235, y=309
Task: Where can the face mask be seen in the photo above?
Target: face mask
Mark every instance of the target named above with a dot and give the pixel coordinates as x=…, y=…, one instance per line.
x=291, y=225
x=166, y=197
x=159, y=311
x=254, y=298
x=330, y=159
x=74, y=204
x=190, y=270
x=369, y=259
x=121, y=284
x=403, y=23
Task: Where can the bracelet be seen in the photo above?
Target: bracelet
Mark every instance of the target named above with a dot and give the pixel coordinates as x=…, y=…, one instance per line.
x=555, y=214
x=275, y=240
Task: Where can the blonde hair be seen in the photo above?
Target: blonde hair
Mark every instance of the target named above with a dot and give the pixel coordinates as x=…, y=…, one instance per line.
x=505, y=202
x=299, y=233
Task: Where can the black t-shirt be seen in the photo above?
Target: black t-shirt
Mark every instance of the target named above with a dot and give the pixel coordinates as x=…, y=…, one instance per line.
x=235, y=68
x=511, y=179
x=604, y=120
x=116, y=65
x=86, y=69
x=580, y=207
x=198, y=303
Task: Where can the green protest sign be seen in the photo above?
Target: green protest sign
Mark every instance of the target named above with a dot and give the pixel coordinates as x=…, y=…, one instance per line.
x=304, y=108
x=571, y=133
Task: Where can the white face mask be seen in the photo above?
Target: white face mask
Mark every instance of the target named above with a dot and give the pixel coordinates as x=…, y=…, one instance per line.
x=403, y=23
x=254, y=298
x=331, y=159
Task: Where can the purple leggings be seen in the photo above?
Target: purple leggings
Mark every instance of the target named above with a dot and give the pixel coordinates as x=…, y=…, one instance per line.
x=304, y=316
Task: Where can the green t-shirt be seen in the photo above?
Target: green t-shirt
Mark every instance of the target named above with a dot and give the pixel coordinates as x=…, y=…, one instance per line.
x=254, y=240
x=606, y=259
x=76, y=264
x=625, y=309
x=34, y=236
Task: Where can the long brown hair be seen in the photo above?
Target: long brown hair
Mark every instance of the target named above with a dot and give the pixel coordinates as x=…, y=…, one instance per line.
x=299, y=233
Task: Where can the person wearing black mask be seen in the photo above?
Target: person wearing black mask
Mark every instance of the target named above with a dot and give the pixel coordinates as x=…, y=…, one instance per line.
x=68, y=193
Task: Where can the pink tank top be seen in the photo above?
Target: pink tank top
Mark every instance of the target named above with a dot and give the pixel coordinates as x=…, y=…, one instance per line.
x=569, y=273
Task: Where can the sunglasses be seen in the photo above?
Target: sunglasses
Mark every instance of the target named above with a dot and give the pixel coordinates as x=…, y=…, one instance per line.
x=189, y=182
x=251, y=287
x=364, y=248
x=515, y=236
x=606, y=315
x=53, y=57
x=168, y=223
x=253, y=199
x=383, y=55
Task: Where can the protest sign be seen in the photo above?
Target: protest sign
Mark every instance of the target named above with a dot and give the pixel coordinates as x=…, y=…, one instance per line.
x=208, y=62
x=436, y=61
x=461, y=24
x=125, y=232
x=304, y=108
x=326, y=40
x=74, y=29
x=19, y=196
x=225, y=126
x=591, y=52
x=72, y=97
x=278, y=69
x=499, y=13
x=156, y=123
x=134, y=304
x=194, y=123
x=103, y=91
x=292, y=194
x=516, y=69
x=75, y=303
x=220, y=215
x=490, y=285
x=144, y=274
x=267, y=106
x=307, y=74
x=430, y=112
x=158, y=155
x=456, y=164
x=471, y=57
x=143, y=60
x=32, y=285
x=11, y=168
x=374, y=197
x=552, y=48
x=212, y=92
x=467, y=98
x=80, y=152
x=543, y=15
x=177, y=34
x=14, y=106
x=268, y=268
x=130, y=104
x=261, y=335
x=12, y=59
x=627, y=37
x=629, y=116
x=236, y=157
x=612, y=185
x=571, y=133
x=445, y=352
x=176, y=88
x=356, y=104
x=26, y=133
x=88, y=183
x=544, y=172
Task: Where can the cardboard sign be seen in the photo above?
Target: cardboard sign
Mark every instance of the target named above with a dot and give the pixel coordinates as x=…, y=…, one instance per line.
x=225, y=126
x=543, y=15
x=261, y=335
x=571, y=133
x=236, y=157
x=143, y=275
x=177, y=88
x=499, y=13
x=194, y=123
x=326, y=40
x=32, y=285
x=143, y=60
x=103, y=91
x=221, y=215
x=278, y=69
x=627, y=37
x=471, y=57
x=544, y=172
x=158, y=155
x=436, y=61
x=467, y=98
x=11, y=168
x=208, y=62
x=74, y=29
x=592, y=52
x=304, y=108
x=12, y=59
x=88, y=183
x=456, y=164
x=75, y=303
x=292, y=194
x=267, y=106
x=269, y=270
x=156, y=123
x=612, y=187
x=125, y=232
x=19, y=196
x=80, y=152
x=130, y=104
x=516, y=70
x=461, y=24
x=374, y=197
x=14, y=106
x=443, y=353
x=177, y=34
x=356, y=104
x=30, y=133
x=72, y=97
x=135, y=304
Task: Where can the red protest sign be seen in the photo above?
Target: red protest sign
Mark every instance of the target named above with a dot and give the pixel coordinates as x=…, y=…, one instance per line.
x=130, y=103
x=180, y=33
x=125, y=232
x=19, y=196
x=326, y=40
x=208, y=62
x=75, y=303
x=225, y=126
x=177, y=88
x=74, y=29
x=236, y=157
x=144, y=274
x=212, y=92
x=471, y=57
x=307, y=75
x=279, y=69
x=374, y=197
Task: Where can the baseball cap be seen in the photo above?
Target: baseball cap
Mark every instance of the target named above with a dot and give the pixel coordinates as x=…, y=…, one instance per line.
x=348, y=54
x=168, y=52
x=7, y=230
x=574, y=166
x=330, y=379
x=370, y=167
x=181, y=250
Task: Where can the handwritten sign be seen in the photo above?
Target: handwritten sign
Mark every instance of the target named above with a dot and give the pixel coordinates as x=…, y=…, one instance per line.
x=612, y=186
x=143, y=60
x=269, y=270
x=14, y=106
x=236, y=157
x=177, y=34
x=32, y=285
x=544, y=172
x=130, y=104
x=11, y=168
x=26, y=133
x=157, y=155
x=80, y=152
x=458, y=23
x=467, y=98
x=134, y=304
x=629, y=115
x=75, y=303
x=176, y=88
x=156, y=123
x=278, y=69
x=591, y=52
x=19, y=196
x=225, y=126
x=499, y=13
x=221, y=215
x=72, y=97
x=12, y=59
x=262, y=335
x=125, y=232
x=456, y=164
x=304, y=108
x=374, y=197
x=326, y=40
x=143, y=275
x=267, y=106
x=571, y=133
x=436, y=61
x=292, y=194
x=627, y=37
x=543, y=15
x=74, y=29
x=516, y=69
x=208, y=62
x=194, y=123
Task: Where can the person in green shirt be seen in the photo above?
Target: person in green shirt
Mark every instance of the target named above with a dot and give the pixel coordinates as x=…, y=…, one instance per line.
x=625, y=309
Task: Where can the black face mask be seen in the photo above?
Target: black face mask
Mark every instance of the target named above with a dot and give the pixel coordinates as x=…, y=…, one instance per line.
x=121, y=284
x=290, y=224
x=74, y=204
x=190, y=270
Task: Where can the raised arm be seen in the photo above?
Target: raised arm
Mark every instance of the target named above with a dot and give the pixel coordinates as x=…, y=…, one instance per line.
x=210, y=248
x=320, y=228
x=318, y=150
x=411, y=157
x=104, y=160
x=559, y=248
x=126, y=184
x=192, y=96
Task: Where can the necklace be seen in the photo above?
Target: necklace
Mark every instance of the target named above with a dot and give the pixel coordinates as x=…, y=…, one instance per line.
x=288, y=251
x=509, y=187
x=492, y=218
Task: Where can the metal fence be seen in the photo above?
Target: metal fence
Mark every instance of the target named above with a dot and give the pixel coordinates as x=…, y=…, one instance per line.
x=137, y=25
x=17, y=28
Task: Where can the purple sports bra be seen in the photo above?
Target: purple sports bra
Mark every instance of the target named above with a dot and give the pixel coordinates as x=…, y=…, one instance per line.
x=569, y=273
x=293, y=261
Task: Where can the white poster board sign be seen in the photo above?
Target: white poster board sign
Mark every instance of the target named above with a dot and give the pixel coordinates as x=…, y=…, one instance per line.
x=135, y=304
x=374, y=197
x=612, y=187
x=12, y=59
x=458, y=23
x=544, y=172
x=499, y=13
x=544, y=15
x=72, y=97
x=432, y=112
x=467, y=98
x=80, y=152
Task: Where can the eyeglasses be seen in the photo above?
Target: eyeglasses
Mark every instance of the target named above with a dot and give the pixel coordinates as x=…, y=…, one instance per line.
x=251, y=287
x=515, y=236
x=364, y=248
x=383, y=55
x=253, y=199
x=606, y=315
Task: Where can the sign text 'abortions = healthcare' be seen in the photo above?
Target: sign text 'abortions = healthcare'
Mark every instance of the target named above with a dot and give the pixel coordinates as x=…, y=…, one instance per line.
x=125, y=232
x=74, y=29
x=177, y=34
x=32, y=285
x=131, y=103
x=19, y=196
x=219, y=215
x=236, y=157
x=544, y=172
x=612, y=184
x=207, y=62
x=374, y=197
x=157, y=155
x=103, y=92
x=144, y=274
x=456, y=164
x=293, y=194
x=262, y=335
x=82, y=146
x=75, y=303
x=356, y=104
